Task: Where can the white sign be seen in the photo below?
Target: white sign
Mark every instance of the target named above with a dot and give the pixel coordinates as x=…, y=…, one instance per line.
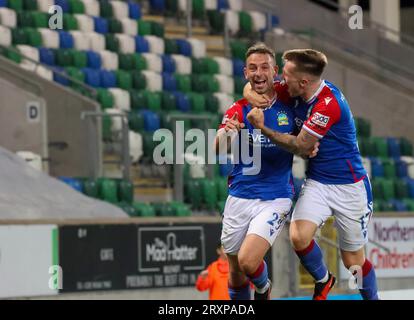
x=26, y=257
x=397, y=234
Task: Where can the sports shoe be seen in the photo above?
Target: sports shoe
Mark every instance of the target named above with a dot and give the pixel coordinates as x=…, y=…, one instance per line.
x=265, y=295
x=322, y=288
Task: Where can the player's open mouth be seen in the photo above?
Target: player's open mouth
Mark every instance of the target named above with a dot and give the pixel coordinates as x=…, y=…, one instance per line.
x=259, y=82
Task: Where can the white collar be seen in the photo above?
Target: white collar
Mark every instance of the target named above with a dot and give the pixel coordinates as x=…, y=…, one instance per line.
x=322, y=85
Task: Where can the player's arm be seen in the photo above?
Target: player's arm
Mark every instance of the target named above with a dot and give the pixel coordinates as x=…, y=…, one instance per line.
x=304, y=145
x=227, y=133
x=255, y=99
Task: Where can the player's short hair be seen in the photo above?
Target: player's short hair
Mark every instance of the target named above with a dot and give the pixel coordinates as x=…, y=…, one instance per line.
x=307, y=60
x=260, y=47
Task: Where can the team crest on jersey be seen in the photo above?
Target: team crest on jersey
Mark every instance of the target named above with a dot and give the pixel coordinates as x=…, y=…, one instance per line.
x=282, y=119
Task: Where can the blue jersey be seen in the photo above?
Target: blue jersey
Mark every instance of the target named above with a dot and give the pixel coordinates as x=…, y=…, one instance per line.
x=328, y=117
x=274, y=179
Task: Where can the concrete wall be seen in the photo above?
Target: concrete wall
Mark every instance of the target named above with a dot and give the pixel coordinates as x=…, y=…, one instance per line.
x=64, y=124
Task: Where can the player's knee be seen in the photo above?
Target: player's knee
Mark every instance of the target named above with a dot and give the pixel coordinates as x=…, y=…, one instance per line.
x=248, y=264
x=299, y=241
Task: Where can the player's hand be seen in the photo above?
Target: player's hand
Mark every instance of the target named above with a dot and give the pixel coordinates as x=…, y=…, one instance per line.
x=233, y=123
x=204, y=274
x=315, y=150
x=255, y=99
x=256, y=118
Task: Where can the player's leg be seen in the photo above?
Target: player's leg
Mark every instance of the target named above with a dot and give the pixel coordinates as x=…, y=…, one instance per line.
x=269, y=220
x=310, y=212
x=236, y=218
x=239, y=285
x=368, y=288
x=352, y=214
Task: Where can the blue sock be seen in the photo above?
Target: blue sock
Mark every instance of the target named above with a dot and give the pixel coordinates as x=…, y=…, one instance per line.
x=259, y=277
x=369, y=289
x=312, y=260
x=240, y=293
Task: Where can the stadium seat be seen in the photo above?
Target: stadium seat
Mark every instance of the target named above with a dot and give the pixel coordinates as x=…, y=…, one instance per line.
x=69, y=22
x=401, y=188
x=222, y=188
x=85, y=23
x=90, y=188
x=136, y=149
x=75, y=74
x=406, y=147
x=168, y=102
x=134, y=10
x=389, y=168
x=97, y=41
x=183, y=82
x=156, y=44
x=180, y=209
x=115, y=26
x=140, y=62
x=193, y=193
x=66, y=40
x=6, y=37
x=92, y=7
x=153, y=80
x=120, y=9
x=401, y=168
x=47, y=56
x=94, y=59
x=398, y=205
x=144, y=28
x=136, y=121
x=122, y=100
x=153, y=100
x=64, y=57
x=57, y=77
x=198, y=47
x=226, y=84
x=168, y=64
x=394, y=147
x=216, y=21
x=209, y=193
x=366, y=162
x=141, y=44
x=151, y=121
x=183, y=102
x=130, y=27
x=238, y=49
x=101, y=25
x=184, y=47
x=50, y=39
x=125, y=191
x=381, y=146
x=377, y=168
x=107, y=190
x=233, y=21
x=92, y=77
x=198, y=104
x=110, y=60
x=139, y=81
x=153, y=61
x=143, y=209
x=183, y=65
x=108, y=79
x=238, y=67
x=169, y=82
x=8, y=17
x=80, y=59
x=105, y=98
x=72, y=182
x=123, y=79
x=259, y=21
x=106, y=10
x=44, y=5
x=115, y=122
x=224, y=101
x=409, y=161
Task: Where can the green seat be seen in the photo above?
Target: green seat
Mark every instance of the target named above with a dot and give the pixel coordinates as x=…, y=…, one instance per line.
x=239, y=84
x=381, y=146
x=34, y=38
x=212, y=66
x=138, y=80
x=19, y=36
x=127, y=208
x=80, y=59
x=115, y=26
x=153, y=100
x=367, y=147
x=279, y=61
x=41, y=19
x=168, y=102
x=363, y=127
x=183, y=82
x=246, y=23
x=77, y=74
x=16, y=5
x=11, y=55
x=144, y=28
x=406, y=147
x=387, y=206
x=157, y=29
x=212, y=103
x=30, y=5
x=390, y=170
x=238, y=49
x=139, y=62
x=180, y=209
x=111, y=43
x=199, y=65
x=69, y=22
x=378, y=205
x=198, y=102
x=167, y=123
x=123, y=79
x=401, y=189
x=25, y=19
x=216, y=21
x=106, y=128
x=106, y=9
x=108, y=190
x=237, y=97
x=136, y=121
x=377, y=190
x=220, y=206
x=126, y=61
x=148, y=144
x=171, y=46
x=143, y=209
x=198, y=9
x=171, y=7
x=64, y=57
x=90, y=188
x=138, y=99
x=204, y=83
x=222, y=189
x=193, y=193
x=209, y=192
x=163, y=210
x=388, y=189
x=105, y=98
x=409, y=203
x=126, y=191
x=76, y=6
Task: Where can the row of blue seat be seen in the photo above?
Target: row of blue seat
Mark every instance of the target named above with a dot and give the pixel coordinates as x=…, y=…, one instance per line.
x=377, y=167
x=161, y=5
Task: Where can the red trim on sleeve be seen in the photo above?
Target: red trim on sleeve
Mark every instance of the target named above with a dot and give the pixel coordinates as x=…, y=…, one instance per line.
x=236, y=107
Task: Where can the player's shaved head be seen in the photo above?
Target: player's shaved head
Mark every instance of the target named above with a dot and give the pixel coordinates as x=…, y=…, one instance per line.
x=308, y=61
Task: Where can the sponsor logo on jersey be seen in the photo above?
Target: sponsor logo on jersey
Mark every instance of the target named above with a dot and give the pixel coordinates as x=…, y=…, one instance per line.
x=282, y=119
x=320, y=119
